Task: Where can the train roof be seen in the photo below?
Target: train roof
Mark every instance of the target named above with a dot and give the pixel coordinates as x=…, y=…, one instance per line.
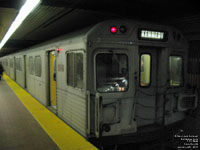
x=102, y=30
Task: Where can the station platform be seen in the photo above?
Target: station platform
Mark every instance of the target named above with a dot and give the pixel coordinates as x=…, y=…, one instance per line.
x=25, y=124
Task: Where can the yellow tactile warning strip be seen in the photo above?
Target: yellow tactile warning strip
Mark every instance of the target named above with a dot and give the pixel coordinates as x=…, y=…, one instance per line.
x=63, y=135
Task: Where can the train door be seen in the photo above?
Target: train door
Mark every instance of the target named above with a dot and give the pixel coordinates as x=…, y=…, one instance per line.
x=112, y=100
x=14, y=69
x=8, y=66
x=147, y=93
x=25, y=72
x=52, y=79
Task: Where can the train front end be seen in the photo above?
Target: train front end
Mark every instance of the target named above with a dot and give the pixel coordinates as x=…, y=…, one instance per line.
x=111, y=80
x=136, y=80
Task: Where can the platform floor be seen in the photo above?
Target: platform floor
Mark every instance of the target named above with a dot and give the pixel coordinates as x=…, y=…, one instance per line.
x=25, y=124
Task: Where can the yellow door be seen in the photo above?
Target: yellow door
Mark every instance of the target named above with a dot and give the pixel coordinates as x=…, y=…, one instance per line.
x=52, y=79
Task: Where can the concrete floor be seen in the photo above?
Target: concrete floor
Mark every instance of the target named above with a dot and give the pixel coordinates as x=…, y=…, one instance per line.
x=18, y=129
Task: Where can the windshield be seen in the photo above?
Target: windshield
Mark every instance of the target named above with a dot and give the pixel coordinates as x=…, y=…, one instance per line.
x=111, y=72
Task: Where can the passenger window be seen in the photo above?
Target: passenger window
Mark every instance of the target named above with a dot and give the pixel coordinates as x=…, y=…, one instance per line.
x=17, y=64
x=20, y=64
x=70, y=69
x=78, y=64
x=31, y=65
x=145, y=69
x=6, y=62
x=38, y=66
x=176, y=70
x=11, y=63
x=75, y=69
x=112, y=74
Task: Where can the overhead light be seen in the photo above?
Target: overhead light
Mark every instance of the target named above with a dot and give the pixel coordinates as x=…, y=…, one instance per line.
x=23, y=13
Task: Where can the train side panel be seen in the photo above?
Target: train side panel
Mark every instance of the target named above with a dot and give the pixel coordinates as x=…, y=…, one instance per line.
x=71, y=96
x=111, y=83
x=20, y=75
x=36, y=76
x=5, y=65
x=12, y=68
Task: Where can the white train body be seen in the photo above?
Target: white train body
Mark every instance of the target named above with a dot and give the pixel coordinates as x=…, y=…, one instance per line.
x=112, y=79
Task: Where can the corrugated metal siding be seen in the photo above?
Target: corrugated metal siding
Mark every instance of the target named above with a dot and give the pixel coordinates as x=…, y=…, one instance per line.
x=74, y=110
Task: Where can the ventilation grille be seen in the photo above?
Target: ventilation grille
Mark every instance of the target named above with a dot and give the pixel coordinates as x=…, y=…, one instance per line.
x=187, y=102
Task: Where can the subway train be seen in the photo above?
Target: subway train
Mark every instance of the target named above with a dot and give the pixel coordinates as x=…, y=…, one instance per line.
x=114, y=79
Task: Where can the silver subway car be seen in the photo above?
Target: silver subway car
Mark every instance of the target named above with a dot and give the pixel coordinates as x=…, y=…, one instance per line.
x=118, y=77
x=137, y=75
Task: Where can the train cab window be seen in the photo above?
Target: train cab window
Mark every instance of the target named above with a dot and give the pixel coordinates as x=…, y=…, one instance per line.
x=176, y=70
x=145, y=69
x=75, y=69
x=38, y=66
x=31, y=65
x=112, y=74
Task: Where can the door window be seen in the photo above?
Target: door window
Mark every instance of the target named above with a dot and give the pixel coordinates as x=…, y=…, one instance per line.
x=145, y=69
